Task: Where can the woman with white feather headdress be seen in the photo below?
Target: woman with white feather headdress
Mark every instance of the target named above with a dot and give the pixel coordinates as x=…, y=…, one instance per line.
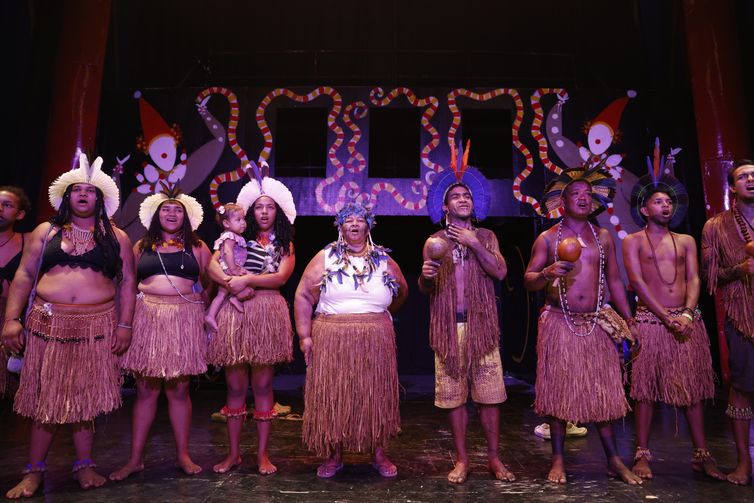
x=259, y=336
x=71, y=273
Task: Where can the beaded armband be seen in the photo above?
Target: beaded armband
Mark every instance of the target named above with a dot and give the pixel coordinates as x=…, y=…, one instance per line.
x=742, y=414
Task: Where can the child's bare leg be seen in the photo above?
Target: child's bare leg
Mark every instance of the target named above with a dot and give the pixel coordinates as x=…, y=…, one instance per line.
x=210, y=319
x=236, y=303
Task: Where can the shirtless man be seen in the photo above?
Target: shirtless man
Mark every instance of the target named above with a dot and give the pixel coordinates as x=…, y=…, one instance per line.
x=673, y=364
x=574, y=352
x=467, y=352
x=13, y=207
x=728, y=268
x=74, y=331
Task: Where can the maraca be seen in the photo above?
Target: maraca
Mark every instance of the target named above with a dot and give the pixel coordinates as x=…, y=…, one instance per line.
x=749, y=248
x=436, y=248
x=569, y=249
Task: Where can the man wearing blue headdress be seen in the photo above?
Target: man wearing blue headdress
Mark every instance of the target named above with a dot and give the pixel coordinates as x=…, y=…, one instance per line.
x=464, y=333
x=673, y=364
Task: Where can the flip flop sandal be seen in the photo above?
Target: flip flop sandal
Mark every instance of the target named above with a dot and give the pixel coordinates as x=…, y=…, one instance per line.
x=326, y=472
x=386, y=471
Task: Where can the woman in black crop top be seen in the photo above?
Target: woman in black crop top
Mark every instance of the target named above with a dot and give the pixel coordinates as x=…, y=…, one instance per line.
x=13, y=207
x=253, y=341
x=169, y=343
x=70, y=373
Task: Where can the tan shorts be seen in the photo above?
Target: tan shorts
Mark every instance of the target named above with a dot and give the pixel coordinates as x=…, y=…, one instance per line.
x=485, y=377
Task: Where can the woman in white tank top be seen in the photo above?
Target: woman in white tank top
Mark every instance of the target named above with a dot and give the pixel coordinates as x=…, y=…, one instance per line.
x=351, y=393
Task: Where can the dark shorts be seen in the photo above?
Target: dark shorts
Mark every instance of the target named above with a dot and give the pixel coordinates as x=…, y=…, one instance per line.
x=740, y=359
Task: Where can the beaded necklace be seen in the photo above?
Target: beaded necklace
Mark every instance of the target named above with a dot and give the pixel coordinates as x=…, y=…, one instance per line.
x=563, y=295
x=79, y=238
x=743, y=224
x=654, y=259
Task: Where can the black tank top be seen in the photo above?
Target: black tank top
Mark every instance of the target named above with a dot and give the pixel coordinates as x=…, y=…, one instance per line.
x=94, y=259
x=9, y=270
x=180, y=263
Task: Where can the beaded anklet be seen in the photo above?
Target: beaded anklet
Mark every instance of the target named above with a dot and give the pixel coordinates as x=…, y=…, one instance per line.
x=231, y=413
x=79, y=465
x=643, y=452
x=38, y=467
x=702, y=456
x=264, y=416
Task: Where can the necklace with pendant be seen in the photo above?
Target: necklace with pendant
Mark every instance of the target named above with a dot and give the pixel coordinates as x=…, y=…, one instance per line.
x=582, y=243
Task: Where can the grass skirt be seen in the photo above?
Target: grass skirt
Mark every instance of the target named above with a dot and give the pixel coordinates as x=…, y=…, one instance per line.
x=351, y=393
x=70, y=373
x=169, y=340
x=669, y=370
x=578, y=378
x=260, y=335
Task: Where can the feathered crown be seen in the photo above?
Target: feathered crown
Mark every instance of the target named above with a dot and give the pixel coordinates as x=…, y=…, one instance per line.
x=460, y=173
x=358, y=210
x=602, y=184
x=86, y=173
x=149, y=206
x=263, y=185
x=660, y=179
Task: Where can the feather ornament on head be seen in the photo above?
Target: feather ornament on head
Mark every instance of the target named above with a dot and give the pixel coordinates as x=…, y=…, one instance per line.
x=660, y=179
x=194, y=210
x=355, y=209
x=596, y=175
x=460, y=173
x=262, y=185
x=91, y=174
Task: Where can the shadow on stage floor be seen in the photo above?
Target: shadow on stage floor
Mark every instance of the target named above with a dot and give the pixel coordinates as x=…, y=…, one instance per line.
x=423, y=453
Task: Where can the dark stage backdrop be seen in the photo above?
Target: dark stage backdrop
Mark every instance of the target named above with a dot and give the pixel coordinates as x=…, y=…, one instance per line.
x=383, y=147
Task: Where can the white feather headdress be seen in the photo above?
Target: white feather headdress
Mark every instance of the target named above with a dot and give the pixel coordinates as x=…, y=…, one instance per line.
x=149, y=206
x=266, y=186
x=86, y=173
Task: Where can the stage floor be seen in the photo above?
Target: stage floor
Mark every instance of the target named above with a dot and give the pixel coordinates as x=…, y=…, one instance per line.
x=423, y=453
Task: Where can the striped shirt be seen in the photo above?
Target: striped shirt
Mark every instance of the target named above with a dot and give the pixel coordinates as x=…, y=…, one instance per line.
x=262, y=259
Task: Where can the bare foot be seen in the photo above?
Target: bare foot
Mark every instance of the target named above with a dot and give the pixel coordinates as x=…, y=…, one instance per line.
x=188, y=466
x=237, y=304
x=89, y=479
x=709, y=468
x=500, y=471
x=459, y=474
x=227, y=464
x=126, y=471
x=211, y=323
x=741, y=476
x=616, y=469
x=557, y=473
x=27, y=487
x=265, y=466
x=641, y=469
